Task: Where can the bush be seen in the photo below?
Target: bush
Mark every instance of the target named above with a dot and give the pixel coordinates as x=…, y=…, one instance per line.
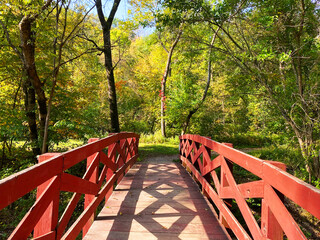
x=245, y=139
x=158, y=138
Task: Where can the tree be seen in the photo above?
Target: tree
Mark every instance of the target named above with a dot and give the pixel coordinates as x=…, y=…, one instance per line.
x=106, y=27
x=164, y=80
x=32, y=85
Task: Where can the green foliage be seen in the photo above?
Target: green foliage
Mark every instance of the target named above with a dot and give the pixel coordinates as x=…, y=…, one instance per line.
x=158, y=138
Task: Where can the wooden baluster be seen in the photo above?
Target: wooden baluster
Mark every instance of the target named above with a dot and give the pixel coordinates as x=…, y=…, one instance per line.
x=89, y=198
x=207, y=160
x=269, y=225
x=49, y=219
x=224, y=183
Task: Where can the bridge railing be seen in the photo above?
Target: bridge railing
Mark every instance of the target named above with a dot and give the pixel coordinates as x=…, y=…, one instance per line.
x=115, y=155
x=218, y=183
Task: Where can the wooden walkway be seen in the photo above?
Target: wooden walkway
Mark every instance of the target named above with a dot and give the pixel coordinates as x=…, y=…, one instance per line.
x=156, y=200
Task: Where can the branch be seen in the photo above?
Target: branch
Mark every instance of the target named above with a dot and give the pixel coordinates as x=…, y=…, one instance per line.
x=76, y=26
x=76, y=57
x=164, y=47
x=100, y=13
x=209, y=67
x=10, y=42
x=85, y=37
x=112, y=13
x=43, y=8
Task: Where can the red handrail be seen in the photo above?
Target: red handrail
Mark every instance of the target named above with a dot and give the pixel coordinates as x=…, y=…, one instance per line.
x=195, y=153
x=50, y=178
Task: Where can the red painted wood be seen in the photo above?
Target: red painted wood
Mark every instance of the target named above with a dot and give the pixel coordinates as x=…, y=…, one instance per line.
x=223, y=208
x=308, y=196
x=29, y=221
x=81, y=221
x=297, y=190
x=75, y=229
x=270, y=227
x=70, y=183
x=49, y=236
x=107, y=161
x=216, y=181
x=247, y=190
x=289, y=226
x=19, y=184
x=275, y=216
x=243, y=206
x=79, y=154
x=94, y=179
x=64, y=220
x=112, y=157
x=49, y=220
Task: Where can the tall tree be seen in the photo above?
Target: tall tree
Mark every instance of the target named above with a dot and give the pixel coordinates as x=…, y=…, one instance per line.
x=106, y=28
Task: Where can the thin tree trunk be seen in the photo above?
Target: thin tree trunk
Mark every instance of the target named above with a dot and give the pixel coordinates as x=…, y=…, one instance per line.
x=164, y=81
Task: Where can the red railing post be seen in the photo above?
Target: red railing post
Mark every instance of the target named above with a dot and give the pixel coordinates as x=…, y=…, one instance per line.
x=224, y=183
x=269, y=225
x=89, y=198
x=112, y=158
x=206, y=160
x=49, y=219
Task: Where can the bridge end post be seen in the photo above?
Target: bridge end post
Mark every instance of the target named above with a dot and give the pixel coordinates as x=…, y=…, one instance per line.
x=49, y=219
x=270, y=227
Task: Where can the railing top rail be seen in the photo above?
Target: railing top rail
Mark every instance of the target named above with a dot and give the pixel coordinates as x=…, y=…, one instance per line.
x=292, y=187
x=32, y=177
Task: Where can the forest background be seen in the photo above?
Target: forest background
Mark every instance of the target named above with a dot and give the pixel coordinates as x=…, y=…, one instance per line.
x=244, y=72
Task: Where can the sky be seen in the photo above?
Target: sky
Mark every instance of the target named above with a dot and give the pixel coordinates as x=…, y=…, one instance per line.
x=122, y=12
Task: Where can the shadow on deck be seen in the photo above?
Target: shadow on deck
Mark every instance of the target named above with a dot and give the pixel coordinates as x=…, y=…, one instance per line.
x=156, y=201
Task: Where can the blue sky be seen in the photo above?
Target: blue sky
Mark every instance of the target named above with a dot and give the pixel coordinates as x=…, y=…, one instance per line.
x=122, y=12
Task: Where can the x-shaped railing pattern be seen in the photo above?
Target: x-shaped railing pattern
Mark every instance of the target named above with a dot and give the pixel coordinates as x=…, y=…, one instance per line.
x=117, y=153
x=195, y=153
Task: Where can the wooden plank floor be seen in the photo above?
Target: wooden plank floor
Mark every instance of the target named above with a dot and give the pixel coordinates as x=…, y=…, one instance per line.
x=156, y=200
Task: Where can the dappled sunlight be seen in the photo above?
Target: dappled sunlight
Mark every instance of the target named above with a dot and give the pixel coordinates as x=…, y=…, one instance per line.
x=156, y=201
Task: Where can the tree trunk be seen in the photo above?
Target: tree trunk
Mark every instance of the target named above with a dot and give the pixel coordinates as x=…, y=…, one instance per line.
x=28, y=51
x=164, y=81
x=30, y=104
x=112, y=96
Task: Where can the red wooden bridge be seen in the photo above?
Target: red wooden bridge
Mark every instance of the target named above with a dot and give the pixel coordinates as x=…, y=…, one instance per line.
x=158, y=200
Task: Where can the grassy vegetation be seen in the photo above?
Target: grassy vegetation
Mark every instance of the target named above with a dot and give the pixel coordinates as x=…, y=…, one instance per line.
x=154, y=145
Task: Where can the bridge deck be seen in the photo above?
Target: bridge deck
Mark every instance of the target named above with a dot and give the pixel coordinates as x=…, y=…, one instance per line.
x=156, y=200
